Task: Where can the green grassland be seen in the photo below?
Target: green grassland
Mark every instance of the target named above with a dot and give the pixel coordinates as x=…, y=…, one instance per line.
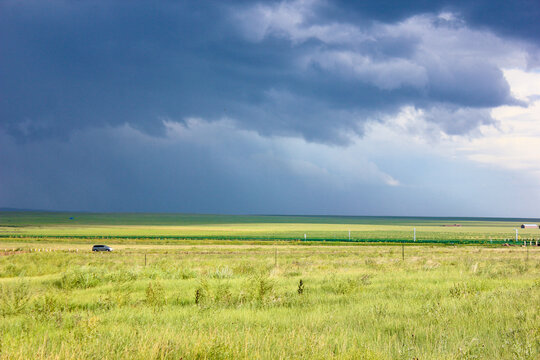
x=241, y=287
x=162, y=228
x=211, y=301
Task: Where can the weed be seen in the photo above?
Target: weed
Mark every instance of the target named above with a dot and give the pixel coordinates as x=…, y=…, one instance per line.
x=198, y=296
x=300, y=289
x=202, y=292
x=244, y=268
x=222, y=272
x=154, y=294
x=14, y=298
x=379, y=310
x=185, y=274
x=366, y=279
x=223, y=296
x=260, y=286
x=348, y=285
x=121, y=276
x=82, y=278
x=49, y=304
x=464, y=289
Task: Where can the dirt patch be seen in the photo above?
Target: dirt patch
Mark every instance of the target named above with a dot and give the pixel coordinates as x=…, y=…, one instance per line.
x=6, y=253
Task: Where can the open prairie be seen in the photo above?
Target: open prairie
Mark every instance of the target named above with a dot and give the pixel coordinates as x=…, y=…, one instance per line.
x=164, y=295
x=213, y=301
x=169, y=228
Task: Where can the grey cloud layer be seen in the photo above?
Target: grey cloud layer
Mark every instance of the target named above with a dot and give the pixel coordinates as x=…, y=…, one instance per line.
x=218, y=168
x=196, y=167
x=297, y=68
x=435, y=59
x=211, y=106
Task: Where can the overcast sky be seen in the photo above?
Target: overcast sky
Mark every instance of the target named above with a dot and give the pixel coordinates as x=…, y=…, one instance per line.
x=283, y=107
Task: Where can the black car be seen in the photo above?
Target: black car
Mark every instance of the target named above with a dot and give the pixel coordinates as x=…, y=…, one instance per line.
x=101, y=248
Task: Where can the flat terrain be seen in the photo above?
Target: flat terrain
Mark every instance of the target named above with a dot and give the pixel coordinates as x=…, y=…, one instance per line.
x=246, y=302
x=168, y=228
x=219, y=287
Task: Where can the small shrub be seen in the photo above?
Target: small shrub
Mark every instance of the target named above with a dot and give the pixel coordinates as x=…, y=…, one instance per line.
x=380, y=310
x=154, y=294
x=223, y=295
x=366, y=279
x=79, y=279
x=300, y=289
x=14, y=298
x=244, y=269
x=119, y=296
x=121, y=276
x=198, y=296
x=47, y=305
x=222, y=272
x=218, y=294
x=186, y=274
x=462, y=290
x=151, y=273
x=346, y=285
x=260, y=286
x=202, y=293
x=11, y=270
x=458, y=290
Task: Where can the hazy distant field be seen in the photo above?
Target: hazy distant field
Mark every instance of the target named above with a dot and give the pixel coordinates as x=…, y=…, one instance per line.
x=164, y=228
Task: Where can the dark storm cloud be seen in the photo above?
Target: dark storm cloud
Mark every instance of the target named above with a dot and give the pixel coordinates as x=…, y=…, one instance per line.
x=206, y=106
x=518, y=18
x=71, y=65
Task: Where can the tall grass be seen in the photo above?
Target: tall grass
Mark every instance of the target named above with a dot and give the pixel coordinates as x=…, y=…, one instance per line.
x=216, y=302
